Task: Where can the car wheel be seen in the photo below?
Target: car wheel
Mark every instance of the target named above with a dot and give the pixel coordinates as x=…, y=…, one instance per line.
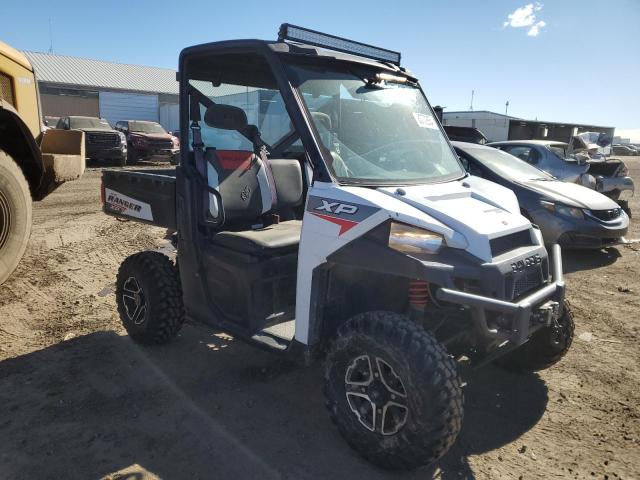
x=149, y=298
x=393, y=391
x=15, y=215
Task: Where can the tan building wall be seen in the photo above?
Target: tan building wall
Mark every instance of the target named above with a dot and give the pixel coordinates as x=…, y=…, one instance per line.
x=63, y=105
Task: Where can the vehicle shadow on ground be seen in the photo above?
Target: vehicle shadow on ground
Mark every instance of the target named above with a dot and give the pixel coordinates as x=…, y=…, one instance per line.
x=577, y=260
x=209, y=406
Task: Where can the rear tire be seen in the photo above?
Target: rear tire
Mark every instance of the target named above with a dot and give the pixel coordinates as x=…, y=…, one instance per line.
x=393, y=391
x=15, y=215
x=544, y=349
x=149, y=298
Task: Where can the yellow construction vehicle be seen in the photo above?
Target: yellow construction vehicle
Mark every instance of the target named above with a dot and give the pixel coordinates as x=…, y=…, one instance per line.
x=34, y=161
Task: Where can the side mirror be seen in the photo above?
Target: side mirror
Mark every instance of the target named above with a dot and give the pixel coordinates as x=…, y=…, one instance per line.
x=225, y=117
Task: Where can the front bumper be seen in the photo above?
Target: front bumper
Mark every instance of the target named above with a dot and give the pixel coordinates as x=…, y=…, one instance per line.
x=111, y=153
x=158, y=152
x=618, y=188
x=588, y=232
x=523, y=317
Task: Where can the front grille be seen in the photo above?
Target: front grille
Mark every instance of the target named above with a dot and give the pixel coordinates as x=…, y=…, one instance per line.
x=510, y=242
x=519, y=283
x=163, y=144
x=6, y=89
x=103, y=139
x=606, y=215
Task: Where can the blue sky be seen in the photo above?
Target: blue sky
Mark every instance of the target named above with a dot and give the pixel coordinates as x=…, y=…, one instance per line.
x=560, y=60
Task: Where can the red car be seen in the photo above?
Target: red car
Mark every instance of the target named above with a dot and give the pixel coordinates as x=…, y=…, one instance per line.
x=147, y=139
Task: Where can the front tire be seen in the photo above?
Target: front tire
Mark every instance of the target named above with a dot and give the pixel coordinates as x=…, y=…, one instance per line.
x=149, y=298
x=393, y=391
x=545, y=348
x=15, y=215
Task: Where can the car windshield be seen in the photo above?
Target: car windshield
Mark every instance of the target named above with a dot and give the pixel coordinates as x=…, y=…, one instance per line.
x=506, y=165
x=88, y=122
x=382, y=133
x=146, y=127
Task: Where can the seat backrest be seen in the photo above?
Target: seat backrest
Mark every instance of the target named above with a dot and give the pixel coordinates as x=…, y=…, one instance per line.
x=241, y=179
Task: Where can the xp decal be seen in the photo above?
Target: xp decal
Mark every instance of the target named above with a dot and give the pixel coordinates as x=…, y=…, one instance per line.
x=120, y=203
x=346, y=215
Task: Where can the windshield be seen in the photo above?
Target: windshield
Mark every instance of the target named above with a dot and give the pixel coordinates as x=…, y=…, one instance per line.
x=506, y=165
x=146, y=127
x=381, y=133
x=88, y=122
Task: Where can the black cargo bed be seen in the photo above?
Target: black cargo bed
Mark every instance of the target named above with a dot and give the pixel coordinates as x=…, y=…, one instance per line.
x=147, y=196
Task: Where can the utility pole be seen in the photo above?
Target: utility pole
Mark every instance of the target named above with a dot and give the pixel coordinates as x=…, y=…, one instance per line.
x=50, y=37
x=506, y=109
x=471, y=106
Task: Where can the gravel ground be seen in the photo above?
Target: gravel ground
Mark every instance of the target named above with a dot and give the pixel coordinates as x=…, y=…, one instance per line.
x=80, y=400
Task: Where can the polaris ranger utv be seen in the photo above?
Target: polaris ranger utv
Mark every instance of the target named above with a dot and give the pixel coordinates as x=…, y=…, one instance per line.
x=320, y=210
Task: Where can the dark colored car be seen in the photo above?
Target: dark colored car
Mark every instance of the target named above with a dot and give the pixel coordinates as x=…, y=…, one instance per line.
x=569, y=214
x=102, y=142
x=148, y=139
x=623, y=150
x=465, y=134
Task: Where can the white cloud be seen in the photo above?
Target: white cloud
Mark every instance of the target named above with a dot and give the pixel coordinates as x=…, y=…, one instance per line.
x=534, y=31
x=526, y=17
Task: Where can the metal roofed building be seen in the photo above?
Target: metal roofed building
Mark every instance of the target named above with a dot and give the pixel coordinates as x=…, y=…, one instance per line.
x=115, y=91
x=498, y=127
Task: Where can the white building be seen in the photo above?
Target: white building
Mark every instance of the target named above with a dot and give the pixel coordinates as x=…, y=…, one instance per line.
x=498, y=127
x=495, y=126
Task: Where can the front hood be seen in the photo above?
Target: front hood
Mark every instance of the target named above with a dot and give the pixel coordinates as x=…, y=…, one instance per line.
x=474, y=208
x=152, y=136
x=97, y=130
x=571, y=194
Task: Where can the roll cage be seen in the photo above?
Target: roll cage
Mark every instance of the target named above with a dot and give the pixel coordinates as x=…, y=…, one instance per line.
x=213, y=62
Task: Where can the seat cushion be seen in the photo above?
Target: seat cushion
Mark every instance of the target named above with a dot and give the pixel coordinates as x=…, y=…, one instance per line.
x=278, y=238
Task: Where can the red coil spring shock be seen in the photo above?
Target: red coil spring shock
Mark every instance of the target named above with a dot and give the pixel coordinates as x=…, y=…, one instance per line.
x=418, y=294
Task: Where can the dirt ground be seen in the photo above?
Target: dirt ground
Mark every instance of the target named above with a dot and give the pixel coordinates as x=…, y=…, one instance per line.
x=81, y=400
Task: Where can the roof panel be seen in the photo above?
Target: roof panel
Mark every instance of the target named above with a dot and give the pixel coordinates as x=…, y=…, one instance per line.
x=99, y=74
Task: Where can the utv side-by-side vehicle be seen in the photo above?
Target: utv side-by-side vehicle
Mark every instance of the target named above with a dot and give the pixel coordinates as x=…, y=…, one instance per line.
x=319, y=211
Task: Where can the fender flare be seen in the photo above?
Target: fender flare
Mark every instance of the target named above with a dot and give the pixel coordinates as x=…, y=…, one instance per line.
x=30, y=162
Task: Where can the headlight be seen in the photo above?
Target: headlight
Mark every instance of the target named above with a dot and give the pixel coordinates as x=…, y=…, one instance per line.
x=176, y=142
x=561, y=209
x=408, y=239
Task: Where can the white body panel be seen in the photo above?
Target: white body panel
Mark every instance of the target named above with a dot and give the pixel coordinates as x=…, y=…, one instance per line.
x=468, y=213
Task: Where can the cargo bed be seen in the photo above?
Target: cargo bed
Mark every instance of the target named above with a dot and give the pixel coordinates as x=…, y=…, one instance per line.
x=147, y=196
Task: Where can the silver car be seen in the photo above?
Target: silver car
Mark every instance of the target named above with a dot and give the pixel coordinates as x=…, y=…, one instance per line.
x=609, y=177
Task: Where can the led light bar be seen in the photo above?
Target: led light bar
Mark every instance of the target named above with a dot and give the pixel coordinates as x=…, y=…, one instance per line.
x=339, y=44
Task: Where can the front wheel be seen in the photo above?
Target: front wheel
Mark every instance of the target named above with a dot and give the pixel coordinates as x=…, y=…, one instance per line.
x=149, y=298
x=15, y=215
x=393, y=391
x=545, y=348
